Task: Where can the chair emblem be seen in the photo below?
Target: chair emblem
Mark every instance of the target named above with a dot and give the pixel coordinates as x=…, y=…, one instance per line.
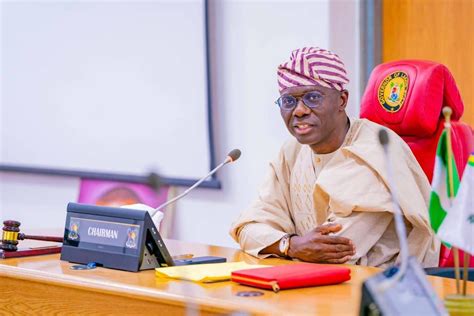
x=73, y=230
x=132, y=234
x=392, y=91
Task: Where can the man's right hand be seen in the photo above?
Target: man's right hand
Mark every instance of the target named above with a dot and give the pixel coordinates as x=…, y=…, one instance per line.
x=318, y=246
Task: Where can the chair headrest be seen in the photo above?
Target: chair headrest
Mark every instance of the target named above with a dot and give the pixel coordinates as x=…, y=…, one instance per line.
x=408, y=96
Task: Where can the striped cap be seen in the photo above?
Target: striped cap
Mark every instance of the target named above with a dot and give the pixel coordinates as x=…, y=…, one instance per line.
x=312, y=66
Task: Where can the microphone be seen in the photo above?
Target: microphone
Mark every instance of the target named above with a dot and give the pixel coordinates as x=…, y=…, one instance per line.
x=399, y=224
x=383, y=139
x=399, y=290
x=232, y=156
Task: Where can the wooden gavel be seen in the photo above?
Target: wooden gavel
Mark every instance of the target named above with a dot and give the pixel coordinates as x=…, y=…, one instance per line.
x=11, y=235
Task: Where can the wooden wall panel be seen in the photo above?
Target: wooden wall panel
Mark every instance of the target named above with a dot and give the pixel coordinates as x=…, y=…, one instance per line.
x=438, y=30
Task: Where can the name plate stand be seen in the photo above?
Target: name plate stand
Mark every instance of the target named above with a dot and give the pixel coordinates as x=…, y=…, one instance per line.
x=112, y=237
x=117, y=238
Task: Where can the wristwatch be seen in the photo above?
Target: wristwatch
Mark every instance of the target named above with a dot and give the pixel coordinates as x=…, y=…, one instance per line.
x=284, y=244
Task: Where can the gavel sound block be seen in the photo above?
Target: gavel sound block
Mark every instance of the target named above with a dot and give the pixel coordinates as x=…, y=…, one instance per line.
x=11, y=235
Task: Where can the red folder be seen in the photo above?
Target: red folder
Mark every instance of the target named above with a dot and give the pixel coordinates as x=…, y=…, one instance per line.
x=290, y=276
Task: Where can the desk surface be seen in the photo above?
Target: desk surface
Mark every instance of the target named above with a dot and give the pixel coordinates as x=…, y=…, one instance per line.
x=28, y=279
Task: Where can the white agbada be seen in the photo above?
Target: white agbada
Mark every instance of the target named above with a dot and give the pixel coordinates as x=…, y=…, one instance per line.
x=349, y=187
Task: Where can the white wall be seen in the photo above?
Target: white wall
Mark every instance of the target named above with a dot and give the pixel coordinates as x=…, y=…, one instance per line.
x=249, y=39
x=344, y=39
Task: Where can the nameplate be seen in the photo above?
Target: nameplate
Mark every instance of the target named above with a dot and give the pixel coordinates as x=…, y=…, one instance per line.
x=113, y=237
x=102, y=232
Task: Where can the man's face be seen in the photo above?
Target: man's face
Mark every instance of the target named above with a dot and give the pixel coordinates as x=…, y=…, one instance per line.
x=314, y=126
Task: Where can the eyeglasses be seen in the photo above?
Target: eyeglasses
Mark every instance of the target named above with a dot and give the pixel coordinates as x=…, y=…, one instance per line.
x=311, y=99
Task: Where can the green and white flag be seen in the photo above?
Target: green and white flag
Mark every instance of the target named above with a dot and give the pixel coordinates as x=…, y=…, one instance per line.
x=457, y=228
x=443, y=188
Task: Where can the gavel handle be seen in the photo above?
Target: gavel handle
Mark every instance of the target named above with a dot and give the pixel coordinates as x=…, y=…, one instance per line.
x=45, y=238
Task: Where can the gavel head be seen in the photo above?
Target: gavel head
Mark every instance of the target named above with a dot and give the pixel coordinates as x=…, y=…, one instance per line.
x=10, y=229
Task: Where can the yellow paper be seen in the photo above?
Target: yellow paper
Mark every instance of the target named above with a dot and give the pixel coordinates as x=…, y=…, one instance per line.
x=211, y=272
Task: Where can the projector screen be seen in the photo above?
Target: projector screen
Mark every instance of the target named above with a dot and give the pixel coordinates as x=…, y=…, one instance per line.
x=106, y=86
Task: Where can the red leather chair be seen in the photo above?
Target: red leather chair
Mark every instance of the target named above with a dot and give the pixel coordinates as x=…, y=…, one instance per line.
x=407, y=96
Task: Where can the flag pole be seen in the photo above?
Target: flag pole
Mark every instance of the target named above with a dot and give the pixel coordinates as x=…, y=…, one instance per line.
x=464, y=274
x=447, y=127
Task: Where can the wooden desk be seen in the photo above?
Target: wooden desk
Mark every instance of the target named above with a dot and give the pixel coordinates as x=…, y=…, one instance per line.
x=46, y=285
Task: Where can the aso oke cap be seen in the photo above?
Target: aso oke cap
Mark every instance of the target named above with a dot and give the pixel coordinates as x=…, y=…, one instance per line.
x=312, y=66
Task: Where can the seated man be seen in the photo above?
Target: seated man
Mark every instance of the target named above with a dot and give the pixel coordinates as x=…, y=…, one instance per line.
x=326, y=197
